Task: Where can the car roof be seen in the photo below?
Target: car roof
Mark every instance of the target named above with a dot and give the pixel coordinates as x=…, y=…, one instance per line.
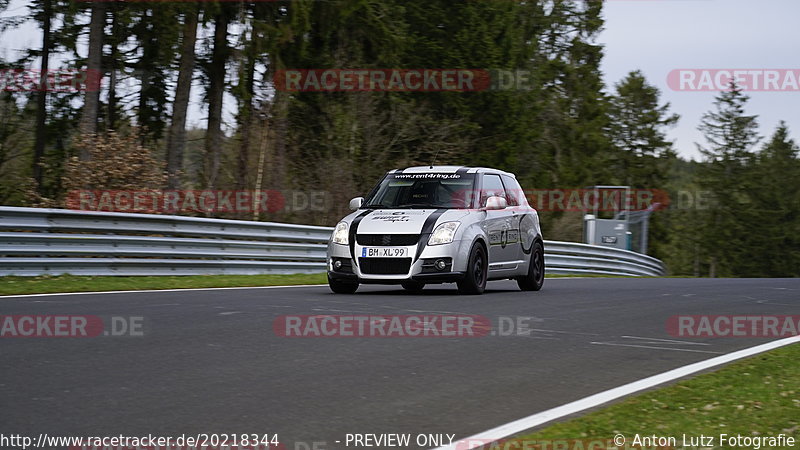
x=451, y=169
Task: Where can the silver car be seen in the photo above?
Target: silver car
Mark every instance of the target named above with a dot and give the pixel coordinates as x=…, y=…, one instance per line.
x=438, y=224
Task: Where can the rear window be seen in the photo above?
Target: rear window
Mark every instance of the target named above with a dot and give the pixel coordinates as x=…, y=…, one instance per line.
x=514, y=194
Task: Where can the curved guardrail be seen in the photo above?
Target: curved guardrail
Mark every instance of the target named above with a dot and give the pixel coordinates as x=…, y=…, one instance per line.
x=35, y=241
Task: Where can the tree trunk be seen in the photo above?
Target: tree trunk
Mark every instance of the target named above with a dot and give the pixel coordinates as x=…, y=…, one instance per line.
x=112, y=69
x=91, y=101
x=41, y=99
x=247, y=111
x=262, y=154
x=281, y=134
x=216, y=90
x=145, y=67
x=176, y=141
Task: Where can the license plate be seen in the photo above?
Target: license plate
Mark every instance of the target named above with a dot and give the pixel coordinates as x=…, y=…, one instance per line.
x=384, y=252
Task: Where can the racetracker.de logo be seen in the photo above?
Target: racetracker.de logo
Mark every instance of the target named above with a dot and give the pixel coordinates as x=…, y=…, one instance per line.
x=69, y=326
x=748, y=326
x=382, y=326
x=177, y=201
x=385, y=80
x=751, y=80
x=570, y=199
x=600, y=200
x=54, y=80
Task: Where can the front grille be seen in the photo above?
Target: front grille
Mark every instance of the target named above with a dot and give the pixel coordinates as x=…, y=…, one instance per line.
x=384, y=266
x=387, y=239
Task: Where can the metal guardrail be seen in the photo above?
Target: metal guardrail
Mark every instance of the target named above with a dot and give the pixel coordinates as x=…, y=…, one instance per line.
x=36, y=241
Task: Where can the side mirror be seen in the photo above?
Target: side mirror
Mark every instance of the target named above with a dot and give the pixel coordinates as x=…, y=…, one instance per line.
x=493, y=203
x=356, y=203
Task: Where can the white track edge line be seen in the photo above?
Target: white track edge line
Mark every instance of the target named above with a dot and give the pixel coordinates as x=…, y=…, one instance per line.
x=2, y=297
x=601, y=398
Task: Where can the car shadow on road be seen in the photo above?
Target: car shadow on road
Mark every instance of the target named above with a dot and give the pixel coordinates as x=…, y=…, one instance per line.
x=438, y=291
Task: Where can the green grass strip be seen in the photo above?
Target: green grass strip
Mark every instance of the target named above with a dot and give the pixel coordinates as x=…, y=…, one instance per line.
x=69, y=283
x=758, y=396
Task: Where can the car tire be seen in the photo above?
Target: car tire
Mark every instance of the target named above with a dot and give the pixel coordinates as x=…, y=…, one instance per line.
x=474, y=281
x=413, y=286
x=534, y=279
x=342, y=286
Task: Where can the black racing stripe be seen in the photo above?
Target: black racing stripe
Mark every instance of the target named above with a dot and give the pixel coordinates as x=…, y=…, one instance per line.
x=352, y=237
x=427, y=229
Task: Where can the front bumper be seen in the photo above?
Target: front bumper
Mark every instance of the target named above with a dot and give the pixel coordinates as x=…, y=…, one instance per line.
x=421, y=266
x=427, y=278
x=446, y=277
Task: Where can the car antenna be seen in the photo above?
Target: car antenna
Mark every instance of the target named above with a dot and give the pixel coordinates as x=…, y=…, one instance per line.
x=434, y=157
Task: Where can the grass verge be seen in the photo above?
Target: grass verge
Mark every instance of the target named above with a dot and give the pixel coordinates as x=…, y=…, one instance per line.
x=758, y=396
x=48, y=284
x=70, y=283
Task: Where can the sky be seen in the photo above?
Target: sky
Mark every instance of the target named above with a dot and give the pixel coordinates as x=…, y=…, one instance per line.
x=656, y=37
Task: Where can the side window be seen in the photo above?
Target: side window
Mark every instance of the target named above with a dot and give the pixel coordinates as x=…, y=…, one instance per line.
x=492, y=187
x=514, y=194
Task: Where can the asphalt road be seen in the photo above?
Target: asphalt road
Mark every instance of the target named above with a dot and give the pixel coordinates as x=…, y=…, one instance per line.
x=209, y=361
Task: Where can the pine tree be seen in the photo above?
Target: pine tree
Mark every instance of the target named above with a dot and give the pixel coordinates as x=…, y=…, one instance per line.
x=156, y=32
x=638, y=130
x=774, y=212
x=731, y=136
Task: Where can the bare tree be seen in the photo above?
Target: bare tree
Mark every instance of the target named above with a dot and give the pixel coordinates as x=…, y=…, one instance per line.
x=176, y=141
x=91, y=101
x=216, y=91
x=41, y=98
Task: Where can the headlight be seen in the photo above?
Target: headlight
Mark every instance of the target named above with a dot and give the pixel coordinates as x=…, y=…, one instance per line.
x=444, y=233
x=340, y=234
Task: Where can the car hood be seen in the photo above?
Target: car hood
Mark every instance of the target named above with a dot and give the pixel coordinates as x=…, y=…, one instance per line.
x=403, y=221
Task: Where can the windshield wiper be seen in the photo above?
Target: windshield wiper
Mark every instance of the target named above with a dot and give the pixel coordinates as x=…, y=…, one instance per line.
x=403, y=206
x=415, y=205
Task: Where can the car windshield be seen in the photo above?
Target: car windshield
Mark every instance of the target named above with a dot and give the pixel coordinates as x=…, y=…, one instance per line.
x=423, y=190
